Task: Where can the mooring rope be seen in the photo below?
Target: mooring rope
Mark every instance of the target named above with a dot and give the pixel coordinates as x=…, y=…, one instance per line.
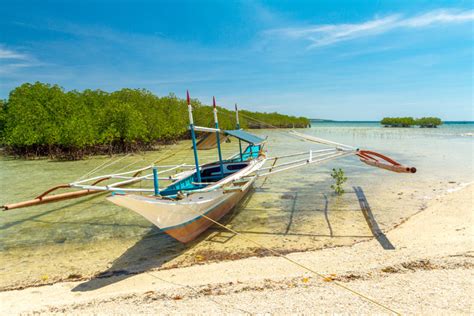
x=276, y=253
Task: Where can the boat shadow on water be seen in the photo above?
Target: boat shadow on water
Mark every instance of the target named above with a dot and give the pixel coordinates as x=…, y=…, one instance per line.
x=292, y=195
x=151, y=252
x=156, y=248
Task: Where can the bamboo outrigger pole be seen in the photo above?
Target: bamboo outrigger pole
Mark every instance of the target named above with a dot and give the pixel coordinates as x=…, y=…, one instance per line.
x=47, y=197
x=216, y=122
x=378, y=160
x=193, y=136
x=43, y=198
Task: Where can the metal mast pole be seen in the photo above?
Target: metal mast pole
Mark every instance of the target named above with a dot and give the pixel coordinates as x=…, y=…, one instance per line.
x=193, y=137
x=217, y=136
x=238, y=127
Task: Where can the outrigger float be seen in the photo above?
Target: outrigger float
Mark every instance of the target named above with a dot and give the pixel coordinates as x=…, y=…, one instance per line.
x=201, y=194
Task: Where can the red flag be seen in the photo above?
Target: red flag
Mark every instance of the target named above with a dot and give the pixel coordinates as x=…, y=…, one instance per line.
x=214, y=101
x=187, y=97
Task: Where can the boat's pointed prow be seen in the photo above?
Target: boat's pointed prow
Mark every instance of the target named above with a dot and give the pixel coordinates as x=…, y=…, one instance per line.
x=183, y=219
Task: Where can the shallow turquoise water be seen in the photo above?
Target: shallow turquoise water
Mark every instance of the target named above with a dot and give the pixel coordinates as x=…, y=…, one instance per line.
x=295, y=210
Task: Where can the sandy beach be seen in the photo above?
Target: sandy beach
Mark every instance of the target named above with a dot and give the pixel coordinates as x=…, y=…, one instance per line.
x=236, y=157
x=430, y=270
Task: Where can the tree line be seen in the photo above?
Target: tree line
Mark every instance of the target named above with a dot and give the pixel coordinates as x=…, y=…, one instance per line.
x=410, y=121
x=45, y=120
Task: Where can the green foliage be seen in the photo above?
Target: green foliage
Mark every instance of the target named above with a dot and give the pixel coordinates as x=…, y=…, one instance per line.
x=43, y=119
x=410, y=121
x=398, y=121
x=340, y=178
x=429, y=122
x=3, y=117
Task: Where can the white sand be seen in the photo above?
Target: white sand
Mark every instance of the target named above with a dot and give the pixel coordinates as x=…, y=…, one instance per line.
x=430, y=271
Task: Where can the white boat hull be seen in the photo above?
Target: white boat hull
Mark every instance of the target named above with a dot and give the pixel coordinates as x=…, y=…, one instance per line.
x=186, y=218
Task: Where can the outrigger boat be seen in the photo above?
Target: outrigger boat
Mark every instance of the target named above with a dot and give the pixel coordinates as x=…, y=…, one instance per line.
x=199, y=195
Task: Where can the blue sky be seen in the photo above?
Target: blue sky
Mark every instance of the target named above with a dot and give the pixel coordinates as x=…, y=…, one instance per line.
x=347, y=60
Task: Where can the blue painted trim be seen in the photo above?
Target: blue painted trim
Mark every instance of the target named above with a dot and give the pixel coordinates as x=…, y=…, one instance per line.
x=155, y=181
x=245, y=136
x=196, y=159
x=251, y=152
x=185, y=184
x=219, y=151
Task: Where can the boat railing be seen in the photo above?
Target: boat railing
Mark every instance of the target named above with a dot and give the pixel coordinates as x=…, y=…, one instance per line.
x=301, y=153
x=134, y=173
x=312, y=157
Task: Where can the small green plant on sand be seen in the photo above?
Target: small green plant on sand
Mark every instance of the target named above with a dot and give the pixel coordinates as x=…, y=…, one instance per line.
x=340, y=178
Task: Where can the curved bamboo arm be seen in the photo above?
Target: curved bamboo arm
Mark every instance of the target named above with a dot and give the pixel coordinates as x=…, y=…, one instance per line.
x=46, y=198
x=61, y=186
x=378, y=160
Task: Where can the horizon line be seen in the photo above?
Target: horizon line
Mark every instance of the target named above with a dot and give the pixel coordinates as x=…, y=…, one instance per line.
x=377, y=121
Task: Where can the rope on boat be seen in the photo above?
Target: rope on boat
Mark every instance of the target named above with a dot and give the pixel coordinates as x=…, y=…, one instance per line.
x=95, y=168
x=299, y=136
x=261, y=122
x=102, y=166
x=276, y=253
x=368, y=157
x=130, y=164
x=320, y=140
x=169, y=156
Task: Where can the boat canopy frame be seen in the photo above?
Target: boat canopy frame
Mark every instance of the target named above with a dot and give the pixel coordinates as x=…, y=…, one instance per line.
x=240, y=134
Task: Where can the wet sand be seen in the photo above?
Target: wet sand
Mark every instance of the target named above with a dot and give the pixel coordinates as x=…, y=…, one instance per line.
x=428, y=269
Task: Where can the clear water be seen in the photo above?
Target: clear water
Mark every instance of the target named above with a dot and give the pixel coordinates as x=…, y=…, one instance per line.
x=291, y=211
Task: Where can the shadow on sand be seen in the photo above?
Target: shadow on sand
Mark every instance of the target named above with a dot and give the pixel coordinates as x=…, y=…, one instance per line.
x=150, y=252
x=157, y=248
x=369, y=217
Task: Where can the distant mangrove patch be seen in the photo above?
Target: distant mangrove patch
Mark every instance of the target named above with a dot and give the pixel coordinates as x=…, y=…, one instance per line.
x=410, y=121
x=45, y=120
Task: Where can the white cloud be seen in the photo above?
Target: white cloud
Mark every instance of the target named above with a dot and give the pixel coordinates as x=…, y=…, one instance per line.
x=322, y=35
x=10, y=69
x=13, y=62
x=10, y=54
x=439, y=16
